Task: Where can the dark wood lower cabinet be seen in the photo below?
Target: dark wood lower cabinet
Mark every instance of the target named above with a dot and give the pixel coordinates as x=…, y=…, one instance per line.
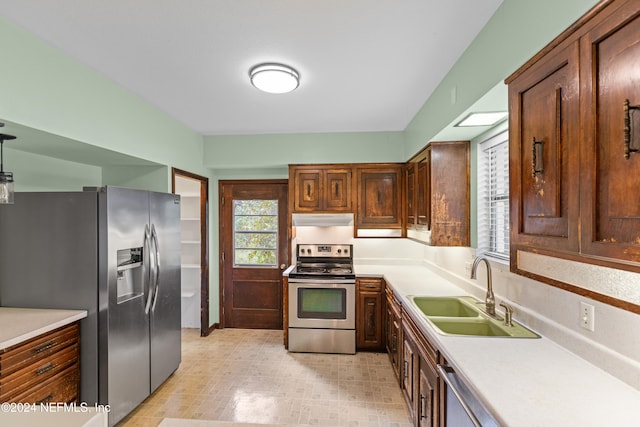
x=425, y=405
x=409, y=376
x=370, y=325
x=414, y=359
x=393, y=331
x=44, y=369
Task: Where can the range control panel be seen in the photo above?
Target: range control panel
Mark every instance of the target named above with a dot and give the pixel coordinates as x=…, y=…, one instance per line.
x=326, y=251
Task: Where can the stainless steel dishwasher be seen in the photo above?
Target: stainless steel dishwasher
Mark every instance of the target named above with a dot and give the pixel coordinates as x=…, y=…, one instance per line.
x=463, y=407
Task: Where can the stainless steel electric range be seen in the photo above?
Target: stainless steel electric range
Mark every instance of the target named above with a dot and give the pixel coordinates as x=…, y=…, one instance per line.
x=322, y=300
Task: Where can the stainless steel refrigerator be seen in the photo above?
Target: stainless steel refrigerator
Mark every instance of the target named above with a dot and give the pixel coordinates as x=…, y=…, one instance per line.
x=114, y=252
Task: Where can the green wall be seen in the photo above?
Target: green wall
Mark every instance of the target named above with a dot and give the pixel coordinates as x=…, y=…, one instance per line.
x=249, y=151
x=33, y=172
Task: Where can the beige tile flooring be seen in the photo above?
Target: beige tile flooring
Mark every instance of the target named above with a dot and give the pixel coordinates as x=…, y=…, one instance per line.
x=246, y=376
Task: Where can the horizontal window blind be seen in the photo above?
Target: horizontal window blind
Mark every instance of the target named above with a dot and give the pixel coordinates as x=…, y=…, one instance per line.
x=493, y=196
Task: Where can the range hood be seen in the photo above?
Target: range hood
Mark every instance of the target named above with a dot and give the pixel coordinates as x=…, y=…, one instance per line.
x=322, y=219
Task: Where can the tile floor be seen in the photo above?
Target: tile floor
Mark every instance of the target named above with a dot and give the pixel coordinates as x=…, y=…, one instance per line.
x=246, y=376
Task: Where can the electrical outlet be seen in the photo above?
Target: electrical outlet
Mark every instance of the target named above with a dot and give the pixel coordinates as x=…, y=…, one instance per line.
x=467, y=267
x=587, y=316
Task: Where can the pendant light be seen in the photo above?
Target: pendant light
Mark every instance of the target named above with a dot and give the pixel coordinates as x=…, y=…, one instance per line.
x=274, y=78
x=6, y=178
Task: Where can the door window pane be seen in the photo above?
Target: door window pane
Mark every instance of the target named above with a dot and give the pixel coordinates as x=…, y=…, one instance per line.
x=255, y=233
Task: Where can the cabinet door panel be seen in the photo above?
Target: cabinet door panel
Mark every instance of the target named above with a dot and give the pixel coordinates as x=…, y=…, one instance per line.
x=307, y=190
x=546, y=130
x=379, y=197
x=410, y=177
x=450, y=193
x=338, y=191
x=544, y=150
x=408, y=375
x=424, y=191
x=369, y=314
x=393, y=332
x=428, y=395
x=610, y=200
x=377, y=206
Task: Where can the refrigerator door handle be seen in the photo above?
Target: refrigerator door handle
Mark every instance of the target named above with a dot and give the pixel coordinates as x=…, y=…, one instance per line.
x=149, y=267
x=154, y=240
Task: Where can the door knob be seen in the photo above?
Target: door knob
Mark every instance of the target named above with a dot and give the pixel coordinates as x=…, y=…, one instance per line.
x=283, y=266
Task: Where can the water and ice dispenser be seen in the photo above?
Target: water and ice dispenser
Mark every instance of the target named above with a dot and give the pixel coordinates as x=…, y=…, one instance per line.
x=130, y=274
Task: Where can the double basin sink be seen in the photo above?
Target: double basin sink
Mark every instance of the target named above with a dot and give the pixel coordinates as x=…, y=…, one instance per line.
x=465, y=316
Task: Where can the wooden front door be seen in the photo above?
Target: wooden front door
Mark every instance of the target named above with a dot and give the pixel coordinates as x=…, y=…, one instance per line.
x=253, y=252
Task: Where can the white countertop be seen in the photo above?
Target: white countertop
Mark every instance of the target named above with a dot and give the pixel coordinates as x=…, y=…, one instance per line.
x=522, y=382
x=20, y=324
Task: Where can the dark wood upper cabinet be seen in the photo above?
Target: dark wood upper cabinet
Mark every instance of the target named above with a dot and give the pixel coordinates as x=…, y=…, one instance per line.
x=544, y=150
x=373, y=192
x=574, y=129
x=610, y=86
x=450, y=193
x=379, y=189
x=423, y=190
x=410, y=191
x=441, y=193
x=321, y=188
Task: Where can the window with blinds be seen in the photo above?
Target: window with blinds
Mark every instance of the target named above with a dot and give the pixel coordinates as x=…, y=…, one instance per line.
x=493, y=196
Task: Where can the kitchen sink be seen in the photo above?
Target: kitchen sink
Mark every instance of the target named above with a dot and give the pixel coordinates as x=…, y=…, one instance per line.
x=463, y=316
x=446, y=306
x=477, y=326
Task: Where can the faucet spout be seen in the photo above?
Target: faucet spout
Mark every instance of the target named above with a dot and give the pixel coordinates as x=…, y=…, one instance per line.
x=490, y=301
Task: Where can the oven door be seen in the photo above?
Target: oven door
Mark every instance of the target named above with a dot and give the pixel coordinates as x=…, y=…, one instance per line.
x=320, y=304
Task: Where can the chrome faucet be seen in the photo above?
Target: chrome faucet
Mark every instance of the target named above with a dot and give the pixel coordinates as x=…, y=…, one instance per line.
x=490, y=301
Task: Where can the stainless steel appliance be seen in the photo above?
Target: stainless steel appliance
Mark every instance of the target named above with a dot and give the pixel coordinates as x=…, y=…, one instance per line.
x=114, y=252
x=463, y=408
x=322, y=300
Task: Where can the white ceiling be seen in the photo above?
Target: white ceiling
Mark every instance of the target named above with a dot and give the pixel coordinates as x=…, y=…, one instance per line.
x=365, y=65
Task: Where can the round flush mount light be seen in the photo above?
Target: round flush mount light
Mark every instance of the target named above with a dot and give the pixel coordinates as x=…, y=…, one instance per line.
x=274, y=78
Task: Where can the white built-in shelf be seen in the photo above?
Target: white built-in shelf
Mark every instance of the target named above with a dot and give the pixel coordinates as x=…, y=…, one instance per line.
x=191, y=242
x=188, y=294
x=190, y=219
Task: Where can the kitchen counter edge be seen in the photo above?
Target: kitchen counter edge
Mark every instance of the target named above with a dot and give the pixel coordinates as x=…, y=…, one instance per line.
x=18, y=325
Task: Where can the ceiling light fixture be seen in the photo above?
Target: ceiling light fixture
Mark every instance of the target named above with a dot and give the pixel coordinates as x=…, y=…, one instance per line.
x=274, y=78
x=482, y=119
x=6, y=178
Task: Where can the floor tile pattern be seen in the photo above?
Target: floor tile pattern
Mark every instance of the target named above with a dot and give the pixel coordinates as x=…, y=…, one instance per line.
x=246, y=376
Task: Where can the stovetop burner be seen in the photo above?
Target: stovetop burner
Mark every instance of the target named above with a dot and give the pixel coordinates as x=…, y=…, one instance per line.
x=323, y=270
x=323, y=262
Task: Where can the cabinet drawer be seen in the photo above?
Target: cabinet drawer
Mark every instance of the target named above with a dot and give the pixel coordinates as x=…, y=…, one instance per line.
x=60, y=388
x=21, y=355
x=373, y=285
x=34, y=374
